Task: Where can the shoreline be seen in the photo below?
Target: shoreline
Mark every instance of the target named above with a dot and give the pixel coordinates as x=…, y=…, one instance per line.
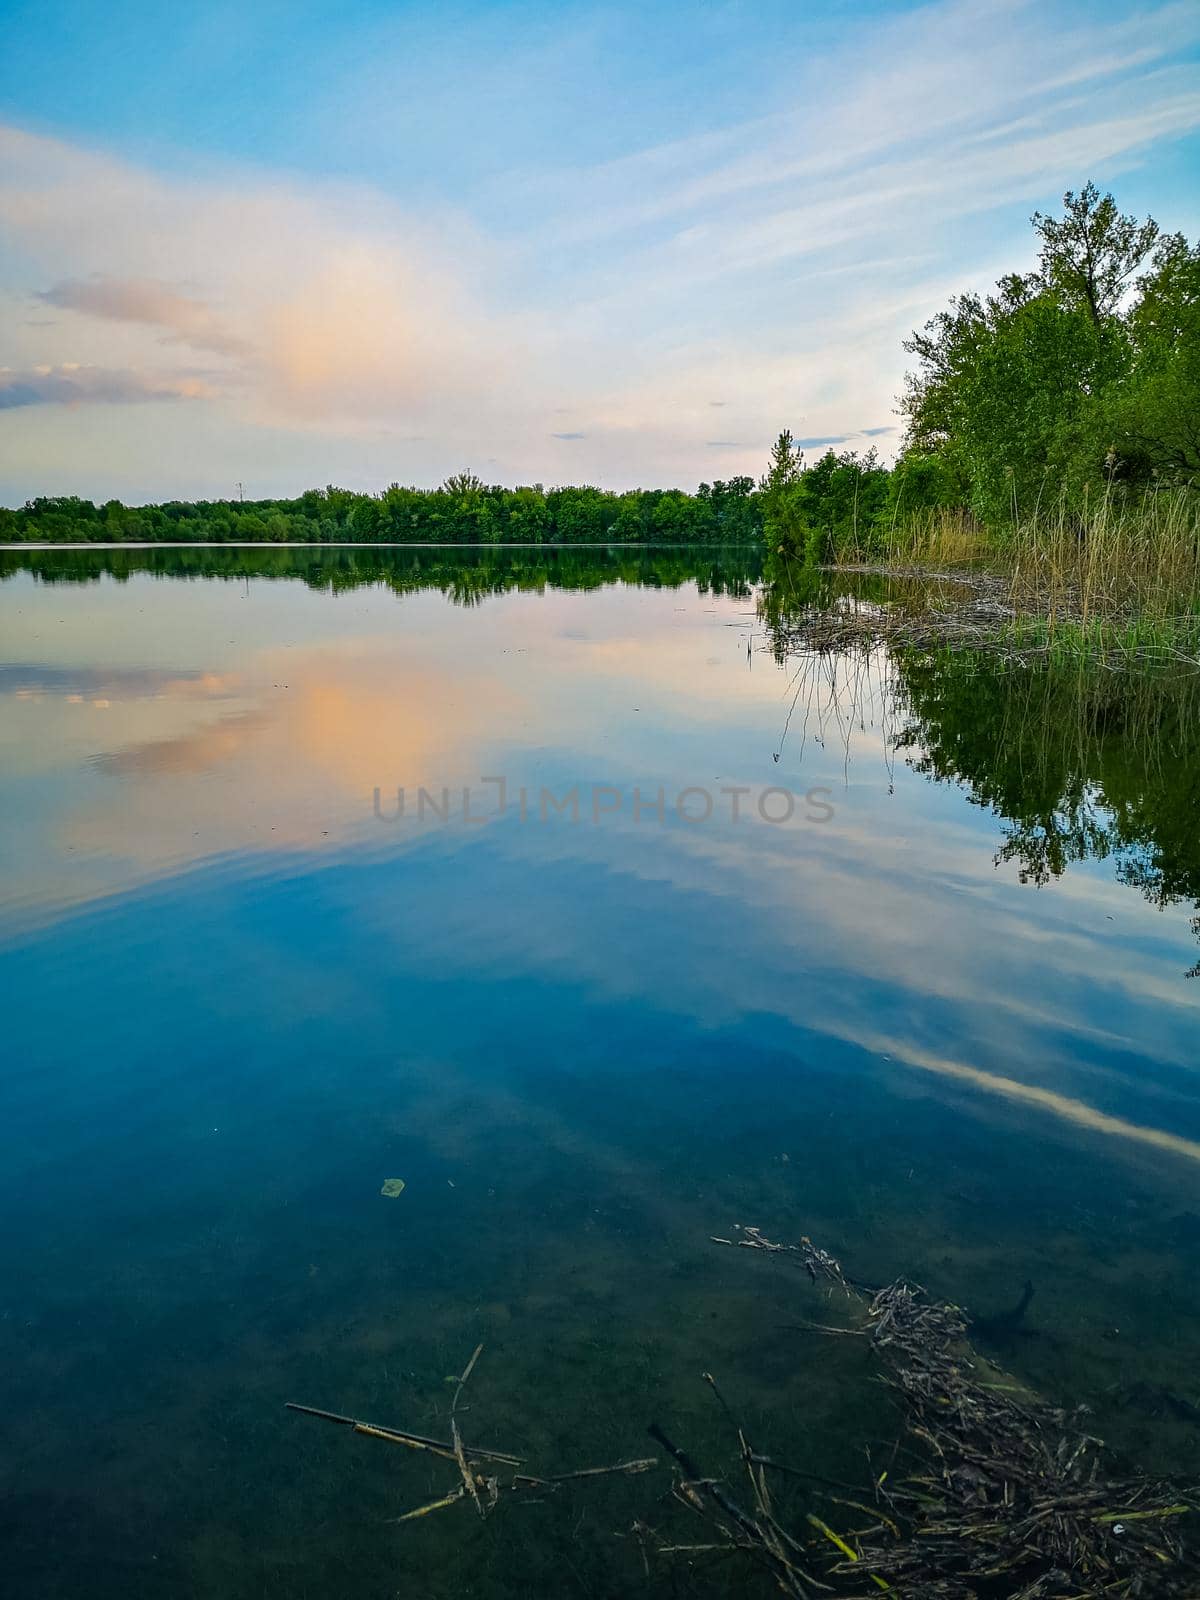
x=371, y=544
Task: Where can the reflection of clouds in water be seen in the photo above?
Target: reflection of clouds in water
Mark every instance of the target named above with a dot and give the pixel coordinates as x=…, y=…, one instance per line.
x=307, y=727
x=1045, y=1100
x=197, y=751
x=289, y=761
x=33, y=680
x=893, y=909
x=821, y=927
x=341, y=720
x=856, y=892
x=698, y=957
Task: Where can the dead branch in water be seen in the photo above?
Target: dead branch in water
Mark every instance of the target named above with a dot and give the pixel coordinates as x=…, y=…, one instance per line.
x=414, y=1441
x=482, y=1489
x=819, y=1264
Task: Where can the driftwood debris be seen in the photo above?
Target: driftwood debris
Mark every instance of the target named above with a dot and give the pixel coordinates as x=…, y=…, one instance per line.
x=1007, y=1496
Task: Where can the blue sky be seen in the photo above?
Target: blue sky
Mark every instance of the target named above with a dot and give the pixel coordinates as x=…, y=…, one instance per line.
x=622, y=244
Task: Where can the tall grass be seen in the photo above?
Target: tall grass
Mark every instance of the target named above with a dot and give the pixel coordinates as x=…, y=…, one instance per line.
x=939, y=536
x=1119, y=578
x=1117, y=561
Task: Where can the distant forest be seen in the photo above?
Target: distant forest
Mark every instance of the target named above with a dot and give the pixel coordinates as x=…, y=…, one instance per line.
x=463, y=511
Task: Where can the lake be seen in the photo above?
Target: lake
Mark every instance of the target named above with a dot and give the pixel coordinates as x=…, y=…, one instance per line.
x=672, y=929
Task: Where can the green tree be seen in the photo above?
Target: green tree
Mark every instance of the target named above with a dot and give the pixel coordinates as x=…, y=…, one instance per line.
x=1090, y=254
x=842, y=497
x=1000, y=385
x=1150, y=424
x=1077, y=377
x=779, y=493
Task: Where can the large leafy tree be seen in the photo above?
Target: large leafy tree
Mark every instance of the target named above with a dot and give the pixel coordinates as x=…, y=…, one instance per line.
x=1000, y=379
x=1077, y=374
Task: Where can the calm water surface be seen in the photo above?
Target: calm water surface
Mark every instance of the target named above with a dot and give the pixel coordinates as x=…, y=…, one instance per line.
x=940, y=1019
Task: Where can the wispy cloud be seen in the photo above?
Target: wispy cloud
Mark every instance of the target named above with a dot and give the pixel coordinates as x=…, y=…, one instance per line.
x=924, y=100
x=70, y=385
x=146, y=301
x=336, y=308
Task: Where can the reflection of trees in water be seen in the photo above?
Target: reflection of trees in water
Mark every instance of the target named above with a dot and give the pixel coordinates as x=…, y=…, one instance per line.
x=1079, y=765
x=466, y=576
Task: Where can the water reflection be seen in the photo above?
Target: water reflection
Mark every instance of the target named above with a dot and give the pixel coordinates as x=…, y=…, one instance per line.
x=193, y=721
x=937, y=1030
x=1077, y=765
x=464, y=575
x=251, y=729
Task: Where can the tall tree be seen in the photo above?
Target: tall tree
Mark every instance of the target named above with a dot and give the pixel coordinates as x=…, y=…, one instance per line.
x=783, y=518
x=1089, y=256
x=1073, y=376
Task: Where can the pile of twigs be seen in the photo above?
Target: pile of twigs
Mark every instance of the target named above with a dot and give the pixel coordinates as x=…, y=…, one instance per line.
x=971, y=610
x=1015, y=1489
x=1010, y=1498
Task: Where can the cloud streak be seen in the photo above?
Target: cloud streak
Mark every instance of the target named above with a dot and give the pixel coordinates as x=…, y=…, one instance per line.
x=71, y=385
x=148, y=302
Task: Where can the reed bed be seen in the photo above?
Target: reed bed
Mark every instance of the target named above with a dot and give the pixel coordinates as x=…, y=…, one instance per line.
x=1116, y=585
x=941, y=536
x=1131, y=572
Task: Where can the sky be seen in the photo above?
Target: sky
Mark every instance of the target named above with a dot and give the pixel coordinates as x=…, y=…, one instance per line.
x=288, y=245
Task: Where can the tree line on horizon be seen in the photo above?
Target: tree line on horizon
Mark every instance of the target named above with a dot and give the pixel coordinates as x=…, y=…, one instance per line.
x=1074, y=381
x=464, y=510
